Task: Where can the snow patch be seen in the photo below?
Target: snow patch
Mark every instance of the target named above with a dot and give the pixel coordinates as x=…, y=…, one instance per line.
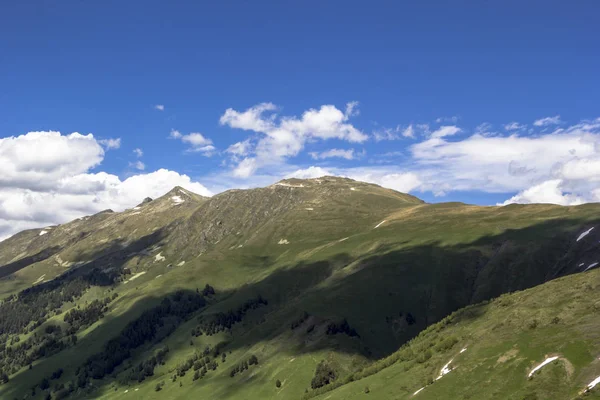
x=309, y=209
x=584, y=234
x=341, y=240
x=177, y=199
x=181, y=263
x=581, y=265
x=157, y=276
x=136, y=208
x=240, y=246
x=463, y=350
x=593, y=383
x=136, y=276
x=159, y=257
x=545, y=362
x=592, y=265
x=288, y=185
x=415, y=393
x=40, y=279
x=283, y=241
x=43, y=232
x=135, y=213
x=445, y=369
x=379, y=224
x=352, y=189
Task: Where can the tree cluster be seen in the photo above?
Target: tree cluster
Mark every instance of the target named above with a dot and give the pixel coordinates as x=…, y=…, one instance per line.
x=224, y=321
x=171, y=312
x=341, y=327
x=80, y=318
x=243, y=366
x=324, y=375
x=145, y=368
x=295, y=324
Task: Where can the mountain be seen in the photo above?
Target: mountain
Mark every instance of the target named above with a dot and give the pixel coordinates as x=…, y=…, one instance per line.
x=310, y=283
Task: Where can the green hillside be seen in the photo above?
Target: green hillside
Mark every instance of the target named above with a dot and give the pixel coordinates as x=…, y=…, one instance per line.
x=327, y=275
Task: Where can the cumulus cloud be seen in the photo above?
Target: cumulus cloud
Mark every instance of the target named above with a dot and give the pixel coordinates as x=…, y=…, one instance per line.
x=535, y=166
x=245, y=168
x=140, y=166
x=110, y=143
x=240, y=149
x=284, y=137
x=197, y=142
x=310, y=173
x=45, y=179
x=546, y=192
x=250, y=120
x=547, y=121
x=390, y=178
x=159, y=107
x=37, y=159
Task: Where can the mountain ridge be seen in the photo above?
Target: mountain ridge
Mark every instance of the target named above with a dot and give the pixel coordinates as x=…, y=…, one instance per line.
x=304, y=270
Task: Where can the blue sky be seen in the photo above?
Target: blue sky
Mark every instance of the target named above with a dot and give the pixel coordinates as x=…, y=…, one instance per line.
x=103, y=67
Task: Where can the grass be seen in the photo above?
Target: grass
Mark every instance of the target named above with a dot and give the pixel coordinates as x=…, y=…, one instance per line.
x=427, y=260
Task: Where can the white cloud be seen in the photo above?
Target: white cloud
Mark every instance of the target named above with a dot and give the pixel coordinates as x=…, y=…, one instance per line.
x=37, y=159
x=386, y=134
x=240, y=148
x=483, y=128
x=546, y=192
x=515, y=163
x=159, y=107
x=514, y=126
x=390, y=178
x=404, y=182
x=250, y=120
x=443, y=131
x=352, y=109
x=245, y=168
x=335, y=153
x=198, y=143
x=453, y=119
x=284, y=137
x=110, y=143
x=409, y=132
x=394, y=133
x=196, y=140
x=309, y=173
x=548, y=121
x=138, y=152
x=45, y=179
x=175, y=134
x=138, y=165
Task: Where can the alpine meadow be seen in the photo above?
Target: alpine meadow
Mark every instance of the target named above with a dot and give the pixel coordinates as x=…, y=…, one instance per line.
x=317, y=288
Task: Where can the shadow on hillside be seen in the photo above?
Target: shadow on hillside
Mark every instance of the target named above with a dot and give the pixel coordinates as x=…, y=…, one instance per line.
x=387, y=297
x=11, y=268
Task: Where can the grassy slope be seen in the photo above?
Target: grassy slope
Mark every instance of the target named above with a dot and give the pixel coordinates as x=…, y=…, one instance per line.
x=426, y=259
x=502, y=348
